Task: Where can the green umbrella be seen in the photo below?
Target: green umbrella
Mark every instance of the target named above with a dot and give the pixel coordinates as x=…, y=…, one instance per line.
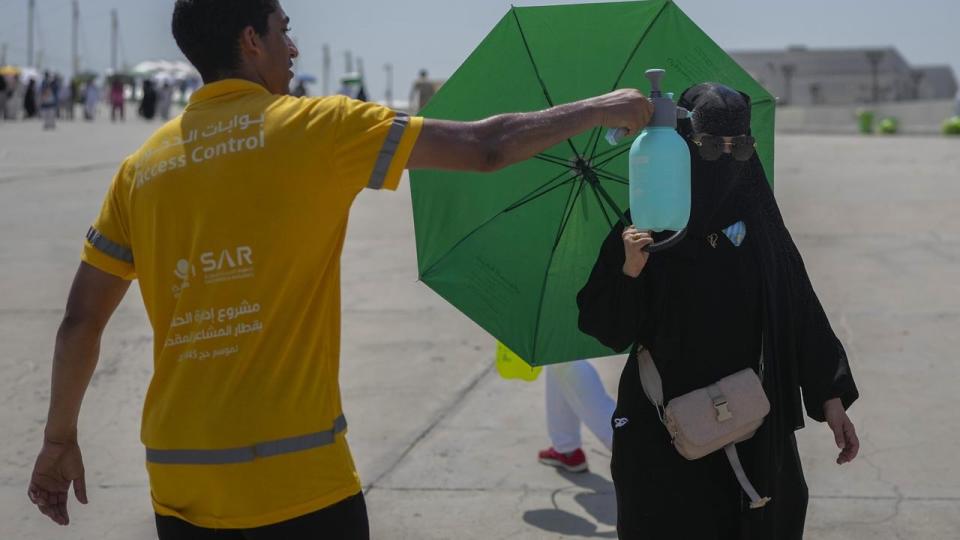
x=512, y=249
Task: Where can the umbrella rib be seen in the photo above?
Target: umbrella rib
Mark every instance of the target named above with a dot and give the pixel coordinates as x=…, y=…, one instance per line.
x=594, y=133
x=519, y=202
x=639, y=43
x=596, y=143
x=568, y=211
x=533, y=194
x=621, y=152
x=609, y=151
x=553, y=160
x=551, y=156
x=612, y=177
x=536, y=71
x=602, y=207
x=529, y=199
x=622, y=217
x=565, y=218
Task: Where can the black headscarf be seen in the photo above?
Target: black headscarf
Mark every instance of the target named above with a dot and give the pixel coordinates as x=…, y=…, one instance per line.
x=800, y=348
x=721, y=111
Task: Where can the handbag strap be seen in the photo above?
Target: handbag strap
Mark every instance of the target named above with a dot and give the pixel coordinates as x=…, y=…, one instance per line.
x=650, y=378
x=653, y=385
x=756, y=501
x=762, y=365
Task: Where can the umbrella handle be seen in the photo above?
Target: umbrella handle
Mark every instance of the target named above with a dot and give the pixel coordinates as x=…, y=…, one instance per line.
x=668, y=243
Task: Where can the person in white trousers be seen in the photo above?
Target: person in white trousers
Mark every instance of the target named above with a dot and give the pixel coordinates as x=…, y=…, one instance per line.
x=575, y=394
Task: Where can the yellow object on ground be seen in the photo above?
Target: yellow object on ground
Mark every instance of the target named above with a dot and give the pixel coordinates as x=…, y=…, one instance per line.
x=511, y=366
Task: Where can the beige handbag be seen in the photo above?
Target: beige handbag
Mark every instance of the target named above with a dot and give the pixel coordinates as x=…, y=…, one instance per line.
x=715, y=417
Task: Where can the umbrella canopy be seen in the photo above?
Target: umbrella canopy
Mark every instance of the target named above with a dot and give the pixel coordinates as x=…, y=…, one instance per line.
x=164, y=70
x=27, y=73
x=512, y=249
x=10, y=71
x=149, y=67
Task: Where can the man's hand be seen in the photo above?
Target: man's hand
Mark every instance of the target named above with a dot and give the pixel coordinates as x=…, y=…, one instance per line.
x=58, y=465
x=636, y=258
x=844, y=433
x=628, y=109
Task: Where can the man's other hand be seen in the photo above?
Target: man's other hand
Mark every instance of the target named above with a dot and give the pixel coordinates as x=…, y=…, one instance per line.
x=58, y=465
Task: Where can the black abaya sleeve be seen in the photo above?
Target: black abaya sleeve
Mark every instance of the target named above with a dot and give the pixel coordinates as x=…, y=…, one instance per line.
x=610, y=302
x=824, y=368
x=806, y=351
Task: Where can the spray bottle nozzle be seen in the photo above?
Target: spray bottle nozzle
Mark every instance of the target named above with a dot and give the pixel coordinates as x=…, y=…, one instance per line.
x=656, y=77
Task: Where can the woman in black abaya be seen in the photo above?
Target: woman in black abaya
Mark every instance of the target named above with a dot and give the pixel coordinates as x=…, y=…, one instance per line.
x=705, y=309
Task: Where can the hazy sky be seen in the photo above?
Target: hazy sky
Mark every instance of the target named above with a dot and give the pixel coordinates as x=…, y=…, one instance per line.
x=439, y=34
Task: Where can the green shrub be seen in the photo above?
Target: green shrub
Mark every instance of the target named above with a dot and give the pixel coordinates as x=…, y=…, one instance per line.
x=889, y=126
x=951, y=126
x=865, y=121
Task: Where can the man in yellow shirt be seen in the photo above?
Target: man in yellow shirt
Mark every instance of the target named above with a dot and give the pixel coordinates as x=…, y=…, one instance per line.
x=242, y=422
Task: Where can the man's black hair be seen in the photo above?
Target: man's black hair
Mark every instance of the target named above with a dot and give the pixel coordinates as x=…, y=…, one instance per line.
x=208, y=31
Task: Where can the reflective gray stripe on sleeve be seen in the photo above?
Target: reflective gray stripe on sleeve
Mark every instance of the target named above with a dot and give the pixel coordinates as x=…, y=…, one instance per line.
x=390, y=146
x=248, y=453
x=107, y=246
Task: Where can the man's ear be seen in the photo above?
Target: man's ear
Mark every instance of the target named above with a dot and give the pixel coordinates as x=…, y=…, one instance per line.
x=250, y=42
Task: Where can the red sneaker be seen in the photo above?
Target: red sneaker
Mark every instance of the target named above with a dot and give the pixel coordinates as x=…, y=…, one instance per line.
x=574, y=461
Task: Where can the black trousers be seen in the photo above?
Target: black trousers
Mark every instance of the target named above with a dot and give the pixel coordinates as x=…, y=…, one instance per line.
x=346, y=520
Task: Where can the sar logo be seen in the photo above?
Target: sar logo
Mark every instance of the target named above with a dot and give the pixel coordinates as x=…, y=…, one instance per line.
x=183, y=272
x=214, y=267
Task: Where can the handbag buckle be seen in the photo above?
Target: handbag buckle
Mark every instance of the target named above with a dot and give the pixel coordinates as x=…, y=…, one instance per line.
x=723, y=412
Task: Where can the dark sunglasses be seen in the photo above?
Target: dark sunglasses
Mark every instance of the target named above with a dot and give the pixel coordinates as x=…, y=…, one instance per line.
x=711, y=147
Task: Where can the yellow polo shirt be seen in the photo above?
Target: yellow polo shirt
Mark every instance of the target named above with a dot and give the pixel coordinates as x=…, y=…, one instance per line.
x=233, y=218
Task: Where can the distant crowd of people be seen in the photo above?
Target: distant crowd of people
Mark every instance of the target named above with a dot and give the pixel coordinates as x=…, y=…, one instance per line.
x=353, y=86
x=55, y=99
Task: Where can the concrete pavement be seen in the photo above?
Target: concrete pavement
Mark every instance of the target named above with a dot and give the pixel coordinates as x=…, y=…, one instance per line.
x=446, y=449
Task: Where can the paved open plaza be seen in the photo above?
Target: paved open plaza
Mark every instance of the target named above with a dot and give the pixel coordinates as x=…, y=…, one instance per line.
x=445, y=447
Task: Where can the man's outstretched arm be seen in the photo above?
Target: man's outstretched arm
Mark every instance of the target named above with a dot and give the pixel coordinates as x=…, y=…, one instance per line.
x=93, y=298
x=497, y=142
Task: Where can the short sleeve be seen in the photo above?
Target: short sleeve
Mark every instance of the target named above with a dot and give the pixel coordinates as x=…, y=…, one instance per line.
x=374, y=144
x=107, y=246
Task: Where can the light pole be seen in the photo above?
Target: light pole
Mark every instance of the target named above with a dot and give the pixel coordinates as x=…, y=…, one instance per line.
x=875, y=57
x=326, y=69
x=31, y=6
x=788, y=72
x=114, y=38
x=389, y=95
x=75, y=37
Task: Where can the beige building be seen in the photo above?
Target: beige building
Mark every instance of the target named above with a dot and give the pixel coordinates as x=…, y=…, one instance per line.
x=802, y=76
